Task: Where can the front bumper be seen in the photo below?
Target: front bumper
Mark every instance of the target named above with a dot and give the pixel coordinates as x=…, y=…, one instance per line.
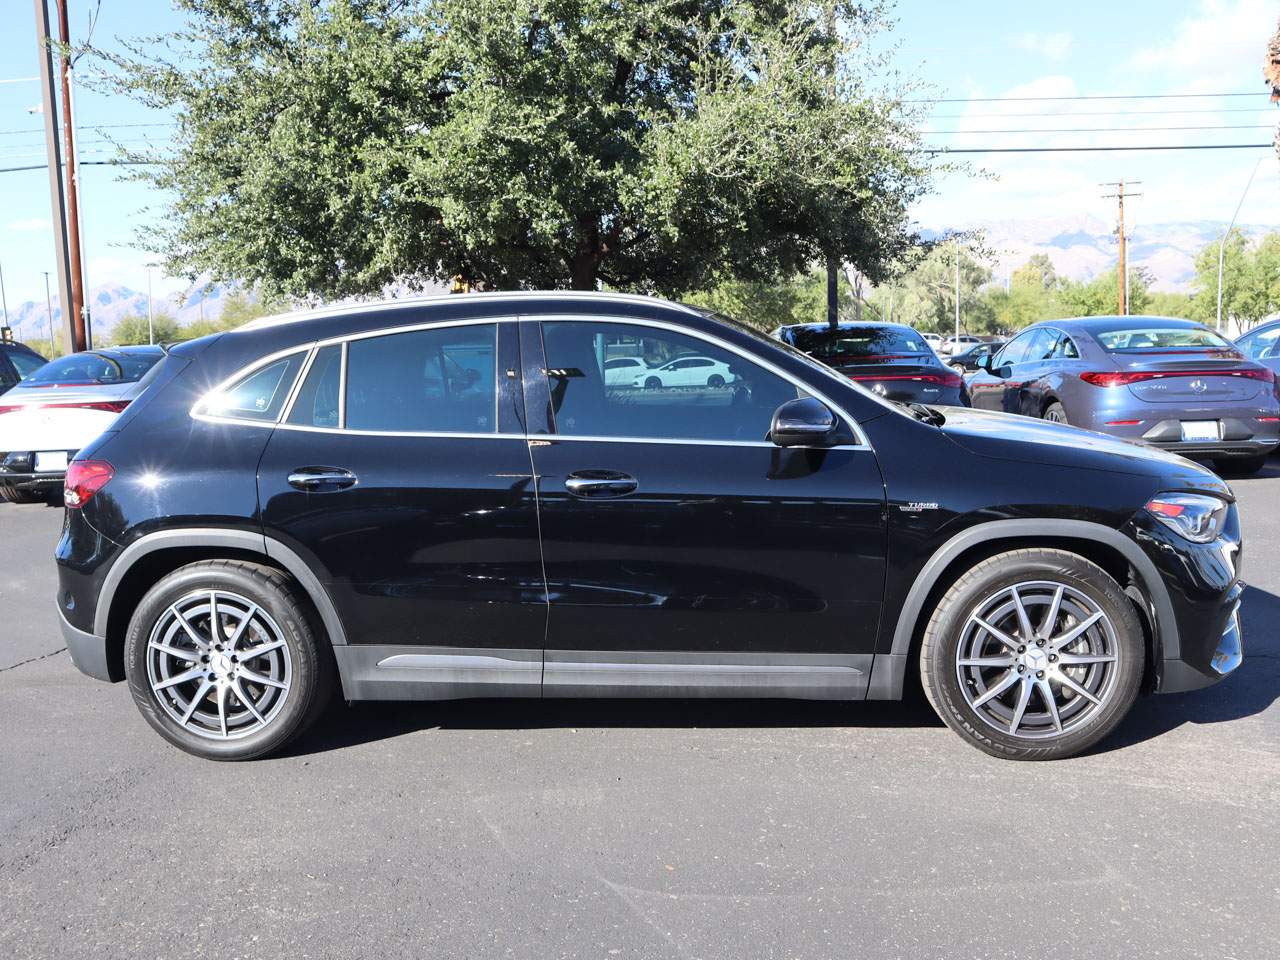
x=1201, y=580
x=88, y=652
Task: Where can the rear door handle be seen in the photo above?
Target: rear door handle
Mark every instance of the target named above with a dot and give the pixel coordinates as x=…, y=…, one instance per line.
x=600, y=484
x=321, y=479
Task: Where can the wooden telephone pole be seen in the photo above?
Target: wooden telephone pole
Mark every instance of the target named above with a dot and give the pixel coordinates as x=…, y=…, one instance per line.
x=1120, y=195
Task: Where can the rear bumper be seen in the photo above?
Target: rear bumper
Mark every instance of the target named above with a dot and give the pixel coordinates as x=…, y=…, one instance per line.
x=17, y=469
x=88, y=652
x=1222, y=448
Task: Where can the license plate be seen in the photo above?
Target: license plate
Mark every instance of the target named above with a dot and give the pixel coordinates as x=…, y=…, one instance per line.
x=51, y=462
x=1201, y=430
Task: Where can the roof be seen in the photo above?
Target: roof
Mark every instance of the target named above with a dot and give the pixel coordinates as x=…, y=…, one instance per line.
x=407, y=303
x=1112, y=321
x=845, y=325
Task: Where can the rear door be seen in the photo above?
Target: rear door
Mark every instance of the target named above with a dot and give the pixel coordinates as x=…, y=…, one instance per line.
x=684, y=552
x=401, y=473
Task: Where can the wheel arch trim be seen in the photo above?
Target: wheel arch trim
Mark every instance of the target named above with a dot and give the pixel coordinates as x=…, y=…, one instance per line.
x=889, y=670
x=215, y=537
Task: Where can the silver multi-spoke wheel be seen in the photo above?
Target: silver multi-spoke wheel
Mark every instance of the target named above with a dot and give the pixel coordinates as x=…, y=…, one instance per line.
x=218, y=665
x=1037, y=660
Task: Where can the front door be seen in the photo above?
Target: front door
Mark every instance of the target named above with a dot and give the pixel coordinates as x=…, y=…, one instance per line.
x=684, y=552
x=406, y=480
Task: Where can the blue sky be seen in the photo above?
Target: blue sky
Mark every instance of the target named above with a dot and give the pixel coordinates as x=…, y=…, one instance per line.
x=963, y=50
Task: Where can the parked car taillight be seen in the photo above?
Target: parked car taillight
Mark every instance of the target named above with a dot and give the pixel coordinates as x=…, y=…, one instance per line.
x=105, y=406
x=84, y=479
x=1122, y=378
x=949, y=379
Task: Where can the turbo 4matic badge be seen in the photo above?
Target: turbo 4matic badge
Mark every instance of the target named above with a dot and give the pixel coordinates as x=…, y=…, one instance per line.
x=917, y=506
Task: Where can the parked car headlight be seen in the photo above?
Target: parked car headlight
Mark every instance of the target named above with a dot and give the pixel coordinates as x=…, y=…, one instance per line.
x=1196, y=517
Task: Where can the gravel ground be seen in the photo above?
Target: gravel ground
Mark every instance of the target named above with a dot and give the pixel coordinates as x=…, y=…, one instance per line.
x=633, y=829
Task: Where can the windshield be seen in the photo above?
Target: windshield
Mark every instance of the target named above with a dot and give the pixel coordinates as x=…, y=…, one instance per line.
x=861, y=343
x=94, y=368
x=1173, y=339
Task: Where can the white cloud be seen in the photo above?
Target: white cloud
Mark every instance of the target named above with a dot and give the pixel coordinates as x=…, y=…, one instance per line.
x=1051, y=46
x=1222, y=43
x=29, y=226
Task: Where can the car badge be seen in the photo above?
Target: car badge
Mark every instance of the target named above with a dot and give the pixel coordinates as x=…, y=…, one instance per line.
x=1198, y=386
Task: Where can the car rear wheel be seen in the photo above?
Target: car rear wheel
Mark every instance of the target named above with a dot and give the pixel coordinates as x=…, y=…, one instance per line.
x=1033, y=655
x=653, y=383
x=223, y=661
x=13, y=495
x=1056, y=413
x=1240, y=466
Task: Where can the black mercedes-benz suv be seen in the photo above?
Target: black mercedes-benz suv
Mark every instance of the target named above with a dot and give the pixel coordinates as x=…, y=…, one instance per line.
x=459, y=497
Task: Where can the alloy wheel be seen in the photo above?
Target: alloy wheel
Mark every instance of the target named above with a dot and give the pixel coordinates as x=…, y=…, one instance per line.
x=1037, y=660
x=218, y=665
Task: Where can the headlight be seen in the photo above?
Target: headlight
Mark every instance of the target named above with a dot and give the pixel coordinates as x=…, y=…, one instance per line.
x=1195, y=516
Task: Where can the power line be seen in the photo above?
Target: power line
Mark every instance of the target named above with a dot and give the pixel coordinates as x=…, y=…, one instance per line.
x=86, y=163
x=89, y=126
x=1102, y=113
x=1171, y=146
x=1103, y=96
x=1241, y=126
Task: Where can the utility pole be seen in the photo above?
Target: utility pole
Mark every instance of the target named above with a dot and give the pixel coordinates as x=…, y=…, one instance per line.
x=57, y=198
x=79, y=313
x=48, y=314
x=151, y=329
x=1120, y=195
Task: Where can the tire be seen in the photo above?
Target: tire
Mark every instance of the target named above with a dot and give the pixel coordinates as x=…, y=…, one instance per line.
x=957, y=690
x=1055, y=413
x=1240, y=466
x=715, y=381
x=13, y=495
x=297, y=674
x=653, y=383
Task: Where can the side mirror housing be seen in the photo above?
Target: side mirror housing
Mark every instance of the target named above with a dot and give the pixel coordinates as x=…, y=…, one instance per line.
x=803, y=423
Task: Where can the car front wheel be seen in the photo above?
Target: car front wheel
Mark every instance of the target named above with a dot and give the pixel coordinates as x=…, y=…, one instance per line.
x=223, y=661
x=1033, y=654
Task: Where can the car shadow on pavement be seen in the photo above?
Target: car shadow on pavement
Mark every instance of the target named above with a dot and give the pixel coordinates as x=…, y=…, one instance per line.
x=1253, y=688
x=349, y=725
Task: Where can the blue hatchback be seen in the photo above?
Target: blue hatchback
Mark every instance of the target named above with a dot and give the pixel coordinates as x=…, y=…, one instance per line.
x=1165, y=382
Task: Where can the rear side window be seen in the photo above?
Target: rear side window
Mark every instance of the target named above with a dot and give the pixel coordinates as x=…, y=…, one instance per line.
x=259, y=394
x=1262, y=345
x=317, y=402
x=424, y=381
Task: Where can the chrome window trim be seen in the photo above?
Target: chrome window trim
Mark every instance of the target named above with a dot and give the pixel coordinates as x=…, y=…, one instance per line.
x=861, y=439
x=342, y=386
x=297, y=385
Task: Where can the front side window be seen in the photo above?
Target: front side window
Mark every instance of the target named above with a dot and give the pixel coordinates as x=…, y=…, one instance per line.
x=258, y=395
x=439, y=380
x=1015, y=351
x=685, y=389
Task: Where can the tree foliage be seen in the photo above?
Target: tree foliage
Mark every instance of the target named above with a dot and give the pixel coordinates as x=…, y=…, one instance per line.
x=133, y=330
x=333, y=147
x=1250, y=280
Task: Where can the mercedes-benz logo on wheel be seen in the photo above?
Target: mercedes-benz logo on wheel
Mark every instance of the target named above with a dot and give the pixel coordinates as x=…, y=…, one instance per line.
x=1198, y=386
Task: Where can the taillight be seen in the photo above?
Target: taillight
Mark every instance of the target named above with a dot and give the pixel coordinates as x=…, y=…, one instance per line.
x=105, y=406
x=945, y=379
x=1122, y=378
x=84, y=479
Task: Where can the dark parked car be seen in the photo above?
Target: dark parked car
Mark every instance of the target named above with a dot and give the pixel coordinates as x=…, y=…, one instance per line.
x=447, y=498
x=17, y=362
x=1262, y=345
x=890, y=359
x=1169, y=383
x=970, y=360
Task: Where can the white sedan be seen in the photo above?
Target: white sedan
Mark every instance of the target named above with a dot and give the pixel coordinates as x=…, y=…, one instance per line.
x=686, y=372
x=60, y=408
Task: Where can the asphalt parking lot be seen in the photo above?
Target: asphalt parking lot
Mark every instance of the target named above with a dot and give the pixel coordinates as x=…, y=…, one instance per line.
x=633, y=829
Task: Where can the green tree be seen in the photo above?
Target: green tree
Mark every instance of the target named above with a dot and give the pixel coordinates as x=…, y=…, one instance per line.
x=766, y=306
x=1036, y=274
x=925, y=296
x=331, y=147
x=1100, y=296
x=133, y=330
x=1237, y=278
x=238, y=308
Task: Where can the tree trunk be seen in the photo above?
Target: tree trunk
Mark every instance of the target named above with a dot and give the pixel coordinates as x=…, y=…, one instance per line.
x=586, y=257
x=583, y=271
x=833, y=293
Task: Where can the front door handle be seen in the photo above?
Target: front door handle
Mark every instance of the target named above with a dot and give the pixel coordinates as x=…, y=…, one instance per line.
x=321, y=479
x=599, y=484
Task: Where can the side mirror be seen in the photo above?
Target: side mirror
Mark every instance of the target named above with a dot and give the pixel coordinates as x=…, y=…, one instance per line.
x=984, y=361
x=802, y=423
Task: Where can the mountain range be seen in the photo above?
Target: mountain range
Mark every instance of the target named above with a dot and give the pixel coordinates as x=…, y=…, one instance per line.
x=1080, y=247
